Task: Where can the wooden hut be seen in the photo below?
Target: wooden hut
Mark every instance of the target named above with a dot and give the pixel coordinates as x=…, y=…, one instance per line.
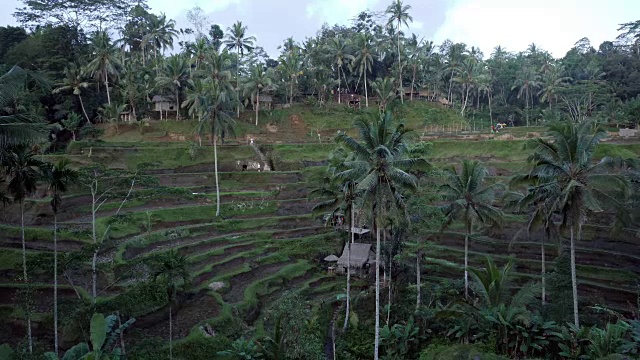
x=164, y=104
x=352, y=100
x=265, y=101
x=363, y=259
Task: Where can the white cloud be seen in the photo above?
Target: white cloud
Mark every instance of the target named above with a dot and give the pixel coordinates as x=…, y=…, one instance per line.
x=554, y=25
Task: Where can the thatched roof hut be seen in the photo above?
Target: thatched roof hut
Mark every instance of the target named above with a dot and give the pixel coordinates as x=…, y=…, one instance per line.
x=361, y=254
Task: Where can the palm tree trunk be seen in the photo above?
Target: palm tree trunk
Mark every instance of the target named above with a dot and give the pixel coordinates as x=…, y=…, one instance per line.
x=543, y=273
x=55, y=281
x=238, y=82
x=526, y=103
x=418, y=297
x=95, y=241
x=215, y=166
x=339, y=85
x=413, y=81
x=466, y=98
x=170, y=332
x=490, y=112
x=83, y=110
x=346, y=317
x=389, y=291
x=574, y=281
x=377, y=328
x=466, y=262
x=400, y=66
x=366, y=95
x=106, y=85
x=177, y=104
x=24, y=274
x=257, y=105
x=291, y=92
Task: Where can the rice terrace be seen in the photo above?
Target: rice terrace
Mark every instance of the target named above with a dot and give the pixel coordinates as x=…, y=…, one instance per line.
x=179, y=193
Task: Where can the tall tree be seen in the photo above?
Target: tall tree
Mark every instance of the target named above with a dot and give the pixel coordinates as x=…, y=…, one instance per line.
x=260, y=80
x=174, y=76
x=364, y=59
x=173, y=271
x=574, y=185
x=398, y=15
x=237, y=39
x=470, y=201
x=24, y=172
x=105, y=61
x=380, y=168
x=527, y=79
x=338, y=51
x=74, y=81
x=160, y=35
x=59, y=178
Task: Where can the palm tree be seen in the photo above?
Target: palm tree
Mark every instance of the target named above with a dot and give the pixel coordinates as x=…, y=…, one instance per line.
x=111, y=113
x=17, y=126
x=467, y=75
x=23, y=171
x=420, y=51
x=484, y=84
x=539, y=203
x=291, y=67
x=552, y=81
x=338, y=50
x=573, y=184
x=160, y=34
x=259, y=80
x=174, y=76
x=74, y=81
x=221, y=125
x=105, y=59
x=399, y=14
x=471, y=202
x=58, y=178
x=527, y=79
x=386, y=91
x=364, y=59
x=172, y=269
x=380, y=168
x=237, y=39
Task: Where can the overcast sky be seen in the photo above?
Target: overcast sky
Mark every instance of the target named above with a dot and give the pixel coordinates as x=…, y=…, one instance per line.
x=554, y=25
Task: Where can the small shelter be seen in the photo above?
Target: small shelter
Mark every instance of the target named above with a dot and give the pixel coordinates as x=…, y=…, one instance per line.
x=362, y=259
x=353, y=100
x=265, y=101
x=444, y=102
x=408, y=92
x=125, y=116
x=164, y=103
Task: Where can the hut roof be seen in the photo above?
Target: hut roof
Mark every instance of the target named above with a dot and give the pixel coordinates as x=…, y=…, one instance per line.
x=161, y=98
x=265, y=98
x=360, y=255
x=331, y=258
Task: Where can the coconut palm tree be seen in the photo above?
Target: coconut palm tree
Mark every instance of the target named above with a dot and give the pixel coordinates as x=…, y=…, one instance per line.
x=527, y=79
x=105, y=61
x=174, y=76
x=468, y=73
x=173, y=271
x=419, y=52
x=259, y=80
x=398, y=15
x=338, y=51
x=221, y=124
x=291, y=68
x=380, y=168
x=23, y=171
x=470, y=201
x=238, y=40
x=74, y=81
x=111, y=113
x=386, y=91
x=160, y=35
x=573, y=184
x=59, y=178
x=552, y=81
x=364, y=59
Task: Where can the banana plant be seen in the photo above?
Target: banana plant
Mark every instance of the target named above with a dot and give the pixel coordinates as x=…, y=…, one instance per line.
x=104, y=333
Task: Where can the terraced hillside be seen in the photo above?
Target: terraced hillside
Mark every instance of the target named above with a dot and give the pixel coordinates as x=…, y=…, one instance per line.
x=267, y=241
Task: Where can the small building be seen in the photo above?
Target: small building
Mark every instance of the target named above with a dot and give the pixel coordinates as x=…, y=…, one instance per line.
x=362, y=259
x=352, y=100
x=408, y=92
x=125, y=116
x=265, y=101
x=164, y=104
